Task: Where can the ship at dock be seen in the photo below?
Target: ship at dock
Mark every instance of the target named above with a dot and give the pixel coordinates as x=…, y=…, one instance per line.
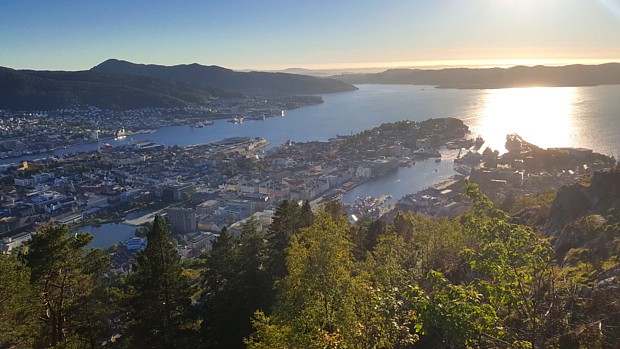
x=203, y=124
x=236, y=120
x=121, y=133
x=478, y=143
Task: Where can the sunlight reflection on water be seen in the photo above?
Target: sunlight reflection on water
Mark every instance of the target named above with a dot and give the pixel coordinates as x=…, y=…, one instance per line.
x=541, y=115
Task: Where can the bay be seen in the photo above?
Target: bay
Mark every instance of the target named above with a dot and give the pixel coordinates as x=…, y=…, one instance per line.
x=549, y=117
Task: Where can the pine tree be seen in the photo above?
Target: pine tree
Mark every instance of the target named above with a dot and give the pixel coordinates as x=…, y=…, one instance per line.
x=286, y=222
x=161, y=303
x=237, y=284
x=18, y=305
x=306, y=216
x=218, y=277
x=64, y=277
x=366, y=237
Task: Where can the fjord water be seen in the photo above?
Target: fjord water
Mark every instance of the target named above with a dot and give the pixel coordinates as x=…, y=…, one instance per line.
x=547, y=116
x=550, y=117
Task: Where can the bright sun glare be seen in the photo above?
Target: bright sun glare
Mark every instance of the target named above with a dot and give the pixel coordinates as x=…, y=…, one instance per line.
x=541, y=115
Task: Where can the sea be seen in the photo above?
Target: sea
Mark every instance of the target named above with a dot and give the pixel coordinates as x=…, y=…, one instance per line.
x=586, y=117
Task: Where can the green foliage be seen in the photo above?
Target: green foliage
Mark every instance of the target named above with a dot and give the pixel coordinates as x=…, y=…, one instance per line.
x=66, y=276
x=187, y=197
x=160, y=302
x=219, y=279
x=285, y=223
x=237, y=284
x=388, y=318
x=268, y=335
x=454, y=316
x=542, y=200
x=18, y=305
x=435, y=244
x=513, y=266
x=366, y=237
x=317, y=297
x=314, y=281
x=334, y=209
x=326, y=300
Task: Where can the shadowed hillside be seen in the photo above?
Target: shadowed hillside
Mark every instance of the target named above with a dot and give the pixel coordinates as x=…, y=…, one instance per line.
x=32, y=90
x=226, y=79
x=519, y=76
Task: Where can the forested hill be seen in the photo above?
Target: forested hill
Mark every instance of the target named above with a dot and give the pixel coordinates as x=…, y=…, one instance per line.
x=314, y=280
x=40, y=90
x=518, y=76
x=226, y=79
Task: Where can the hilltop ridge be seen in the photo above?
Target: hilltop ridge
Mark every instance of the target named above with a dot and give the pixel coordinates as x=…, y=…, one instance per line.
x=253, y=82
x=482, y=78
x=36, y=90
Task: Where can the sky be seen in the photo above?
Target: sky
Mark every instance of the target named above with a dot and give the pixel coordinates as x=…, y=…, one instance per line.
x=318, y=34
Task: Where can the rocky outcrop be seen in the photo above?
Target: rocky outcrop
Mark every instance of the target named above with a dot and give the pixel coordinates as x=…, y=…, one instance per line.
x=583, y=219
x=600, y=196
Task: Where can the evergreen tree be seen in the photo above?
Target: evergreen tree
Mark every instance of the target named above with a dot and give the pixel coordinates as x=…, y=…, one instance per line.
x=161, y=303
x=94, y=310
x=64, y=276
x=366, y=237
x=219, y=279
x=19, y=310
x=306, y=215
x=286, y=222
x=237, y=284
x=224, y=240
x=334, y=209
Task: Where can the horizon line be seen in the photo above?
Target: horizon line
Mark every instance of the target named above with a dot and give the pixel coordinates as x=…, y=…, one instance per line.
x=384, y=65
x=435, y=64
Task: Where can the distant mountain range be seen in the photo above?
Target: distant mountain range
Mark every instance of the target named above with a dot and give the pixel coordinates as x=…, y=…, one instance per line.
x=39, y=90
x=519, y=76
x=328, y=72
x=116, y=84
x=226, y=79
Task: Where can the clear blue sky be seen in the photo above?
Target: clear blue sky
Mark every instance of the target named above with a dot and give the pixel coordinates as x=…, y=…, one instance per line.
x=274, y=34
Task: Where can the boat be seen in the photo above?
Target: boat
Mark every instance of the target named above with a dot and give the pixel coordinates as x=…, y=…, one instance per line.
x=236, y=120
x=121, y=133
x=198, y=125
x=438, y=160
